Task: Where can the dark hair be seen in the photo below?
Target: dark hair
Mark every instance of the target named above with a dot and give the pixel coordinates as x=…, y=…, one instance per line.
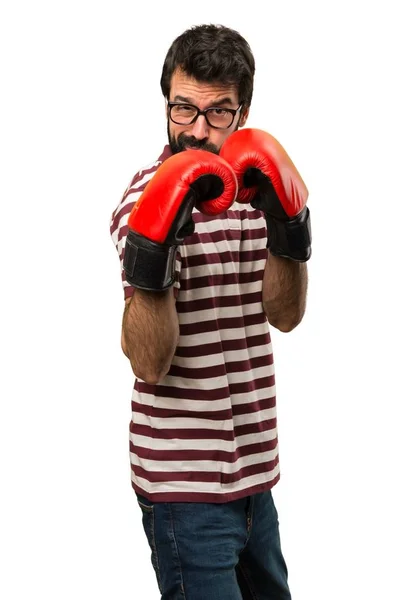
x=211, y=53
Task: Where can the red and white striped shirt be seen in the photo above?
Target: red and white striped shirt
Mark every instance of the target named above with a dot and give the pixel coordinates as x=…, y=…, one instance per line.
x=207, y=432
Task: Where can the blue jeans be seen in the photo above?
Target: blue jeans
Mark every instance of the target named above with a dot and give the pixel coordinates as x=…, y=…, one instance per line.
x=229, y=551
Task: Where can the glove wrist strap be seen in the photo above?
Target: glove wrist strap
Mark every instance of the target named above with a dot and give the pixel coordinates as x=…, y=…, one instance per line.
x=292, y=238
x=149, y=265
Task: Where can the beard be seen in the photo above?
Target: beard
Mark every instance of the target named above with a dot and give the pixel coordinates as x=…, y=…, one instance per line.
x=183, y=142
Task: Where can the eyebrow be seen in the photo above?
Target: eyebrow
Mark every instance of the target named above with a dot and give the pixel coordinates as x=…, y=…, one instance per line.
x=226, y=100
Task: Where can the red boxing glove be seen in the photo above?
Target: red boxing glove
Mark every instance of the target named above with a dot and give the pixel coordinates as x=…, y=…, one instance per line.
x=269, y=180
x=162, y=217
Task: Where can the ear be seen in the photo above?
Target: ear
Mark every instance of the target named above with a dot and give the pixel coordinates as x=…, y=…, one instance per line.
x=243, y=116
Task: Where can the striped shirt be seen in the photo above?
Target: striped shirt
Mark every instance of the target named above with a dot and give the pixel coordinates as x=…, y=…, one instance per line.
x=208, y=432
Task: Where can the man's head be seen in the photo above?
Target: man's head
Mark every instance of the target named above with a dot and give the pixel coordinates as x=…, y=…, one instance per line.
x=207, y=68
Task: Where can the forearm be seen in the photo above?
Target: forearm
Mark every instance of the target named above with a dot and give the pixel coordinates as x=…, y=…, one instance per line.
x=150, y=333
x=284, y=292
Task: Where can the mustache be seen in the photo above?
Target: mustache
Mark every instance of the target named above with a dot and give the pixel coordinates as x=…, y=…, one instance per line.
x=186, y=140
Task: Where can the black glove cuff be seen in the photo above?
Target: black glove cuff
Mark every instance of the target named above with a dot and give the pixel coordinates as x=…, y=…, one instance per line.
x=149, y=265
x=290, y=239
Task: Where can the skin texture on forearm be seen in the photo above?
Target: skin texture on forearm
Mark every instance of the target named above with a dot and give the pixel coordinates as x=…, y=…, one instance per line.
x=284, y=292
x=150, y=333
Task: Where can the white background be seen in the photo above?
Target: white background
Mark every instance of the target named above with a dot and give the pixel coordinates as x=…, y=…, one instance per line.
x=81, y=112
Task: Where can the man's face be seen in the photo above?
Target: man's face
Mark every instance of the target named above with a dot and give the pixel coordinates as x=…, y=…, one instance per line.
x=200, y=134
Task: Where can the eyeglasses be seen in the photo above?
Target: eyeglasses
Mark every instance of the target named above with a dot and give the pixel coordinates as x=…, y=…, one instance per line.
x=216, y=117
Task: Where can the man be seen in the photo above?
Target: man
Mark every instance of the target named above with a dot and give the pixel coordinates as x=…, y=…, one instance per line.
x=201, y=288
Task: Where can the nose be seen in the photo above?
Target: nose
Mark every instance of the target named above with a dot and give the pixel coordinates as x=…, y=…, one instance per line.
x=200, y=128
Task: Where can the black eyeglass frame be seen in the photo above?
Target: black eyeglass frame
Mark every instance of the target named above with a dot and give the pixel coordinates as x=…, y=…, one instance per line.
x=203, y=113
